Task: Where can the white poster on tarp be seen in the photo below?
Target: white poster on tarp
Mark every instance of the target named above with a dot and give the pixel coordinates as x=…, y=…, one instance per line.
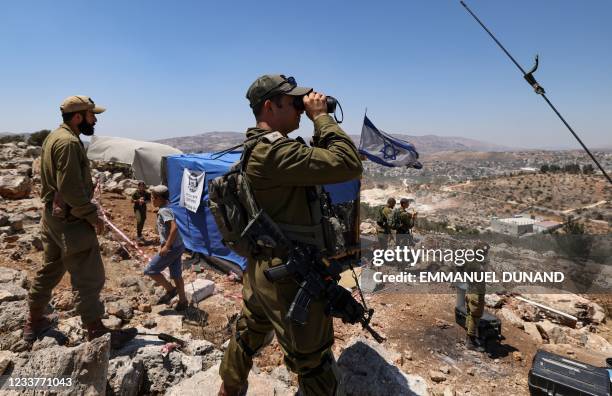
x=191, y=189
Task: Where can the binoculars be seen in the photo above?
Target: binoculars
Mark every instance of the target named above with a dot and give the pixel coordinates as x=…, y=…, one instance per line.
x=298, y=103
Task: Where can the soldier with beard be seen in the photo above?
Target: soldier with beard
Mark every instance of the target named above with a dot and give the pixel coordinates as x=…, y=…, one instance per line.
x=69, y=226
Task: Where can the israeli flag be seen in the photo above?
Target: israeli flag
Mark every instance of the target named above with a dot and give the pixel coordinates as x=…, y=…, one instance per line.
x=385, y=149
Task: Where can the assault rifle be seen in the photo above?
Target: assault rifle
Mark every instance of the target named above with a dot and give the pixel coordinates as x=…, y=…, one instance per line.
x=318, y=278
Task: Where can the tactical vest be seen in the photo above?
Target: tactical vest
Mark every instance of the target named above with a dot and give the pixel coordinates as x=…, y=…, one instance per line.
x=246, y=228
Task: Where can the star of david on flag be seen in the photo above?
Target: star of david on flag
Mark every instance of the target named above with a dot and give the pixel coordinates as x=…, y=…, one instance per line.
x=384, y=149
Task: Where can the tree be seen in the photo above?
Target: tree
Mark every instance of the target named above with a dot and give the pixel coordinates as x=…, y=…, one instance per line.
x=544, y=168
x=11, y=139
x=588, y=169
x=37, y=138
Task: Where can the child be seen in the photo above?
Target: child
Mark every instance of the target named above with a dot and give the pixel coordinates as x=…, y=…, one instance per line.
x=170, y=252
x=140, y=199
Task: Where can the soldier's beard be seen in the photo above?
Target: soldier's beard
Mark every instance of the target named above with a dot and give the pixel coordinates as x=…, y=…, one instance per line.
x=86, y=128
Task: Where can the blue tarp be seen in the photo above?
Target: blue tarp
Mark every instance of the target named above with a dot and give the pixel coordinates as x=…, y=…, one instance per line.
x=198, y=230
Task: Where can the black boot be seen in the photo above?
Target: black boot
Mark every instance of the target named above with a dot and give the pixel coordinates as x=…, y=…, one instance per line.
x=473, y=344
x=119, y=338
x=226, y=390
x=36, y=325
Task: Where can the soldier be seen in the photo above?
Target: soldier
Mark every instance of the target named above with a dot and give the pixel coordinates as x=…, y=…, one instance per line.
x=475, y=301
x=406, y=223
x=140, y=199
x=69, y=226
x=279, y=171
x=383, y=220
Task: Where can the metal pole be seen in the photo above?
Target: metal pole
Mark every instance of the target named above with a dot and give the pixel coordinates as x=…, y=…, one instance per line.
x=538, y=89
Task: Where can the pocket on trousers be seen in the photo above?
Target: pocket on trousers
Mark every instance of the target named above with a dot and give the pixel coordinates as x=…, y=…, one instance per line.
x=78, y=236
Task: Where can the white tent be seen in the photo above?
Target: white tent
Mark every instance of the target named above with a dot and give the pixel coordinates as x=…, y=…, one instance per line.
x=144, y=157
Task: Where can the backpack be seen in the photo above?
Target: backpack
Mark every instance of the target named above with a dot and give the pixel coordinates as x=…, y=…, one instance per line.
x=396, y=219
x=381, y=219
x=244, y=227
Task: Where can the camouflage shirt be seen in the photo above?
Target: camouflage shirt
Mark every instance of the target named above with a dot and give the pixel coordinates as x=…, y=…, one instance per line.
x=64, y=168
x=279, y=169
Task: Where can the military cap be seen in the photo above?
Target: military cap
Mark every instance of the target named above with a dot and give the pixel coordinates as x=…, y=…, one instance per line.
x=79, y=103
x=270, y=85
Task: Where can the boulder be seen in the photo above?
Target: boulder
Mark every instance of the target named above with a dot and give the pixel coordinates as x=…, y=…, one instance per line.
x=128, y=192
x=597, y=343
x=555, y=334
x=33, y=151
x=208, y=383
x=73, y=329
x=112, y=322
x=12, y=292
x=14, y=186
x=46, y=342
x=161, y=370
x=6, y=360
x=13, y=315
x=9, y=275
x=125, y=376
x=511, y=318
x=494, y=300
x=207, y=350
x=534, y=333
x=437, y=376
x=117, y=177
x=199, y=289
x=85, y=364
x=121, y=309
x=368, y=368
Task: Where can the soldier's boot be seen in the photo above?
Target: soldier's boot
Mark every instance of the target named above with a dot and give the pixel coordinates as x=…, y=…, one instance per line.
x=226, y=390
x=473, y=344
x=36, y=325
x=119, y=338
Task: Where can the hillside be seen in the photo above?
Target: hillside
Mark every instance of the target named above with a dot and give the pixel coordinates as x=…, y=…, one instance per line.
x=214, y=141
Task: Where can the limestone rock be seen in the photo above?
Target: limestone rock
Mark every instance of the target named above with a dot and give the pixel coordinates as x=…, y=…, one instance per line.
x=208, y=383
x=494, y=300
x=437, y=376
x=13, y=315
x=534, y=333
x=368, y=369
x=15, y=186
x=86, y=364
x=125, y=376
x=112, y=322
x=6, y=359
x=513, y=319
x=121, y=309
x=199, y=289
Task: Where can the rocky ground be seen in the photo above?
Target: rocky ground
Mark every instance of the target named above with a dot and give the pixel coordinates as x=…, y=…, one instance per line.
x=423, y=352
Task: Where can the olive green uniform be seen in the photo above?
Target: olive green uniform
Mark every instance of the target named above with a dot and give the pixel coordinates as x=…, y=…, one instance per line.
x=474, y=299
x=404, y=232
x=384, y=233
x=69, y=238
x=279, y=171
x=140, y=210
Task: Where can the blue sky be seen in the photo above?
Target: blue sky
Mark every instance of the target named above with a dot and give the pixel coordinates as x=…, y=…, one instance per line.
x=420, y=67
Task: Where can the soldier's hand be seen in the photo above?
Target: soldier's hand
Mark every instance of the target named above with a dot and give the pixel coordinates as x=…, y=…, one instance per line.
x=315, y=104
x=100, y=226
x=163, y=250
